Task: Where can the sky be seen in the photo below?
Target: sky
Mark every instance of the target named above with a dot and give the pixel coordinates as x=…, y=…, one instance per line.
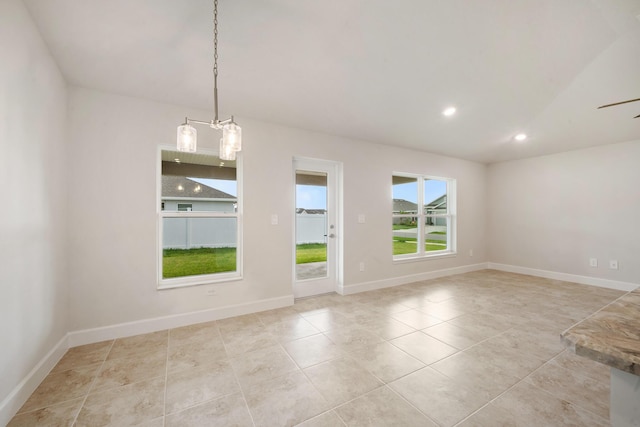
x=311, y=197
x=315, y=197
x=432, y=190
x=307, y=196
x=226, y=185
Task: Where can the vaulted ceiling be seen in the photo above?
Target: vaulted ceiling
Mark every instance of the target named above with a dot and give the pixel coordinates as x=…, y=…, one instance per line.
x=374, y=70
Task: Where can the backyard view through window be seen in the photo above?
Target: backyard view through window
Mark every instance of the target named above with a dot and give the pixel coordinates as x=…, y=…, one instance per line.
x=422, y=219
x=199, y=219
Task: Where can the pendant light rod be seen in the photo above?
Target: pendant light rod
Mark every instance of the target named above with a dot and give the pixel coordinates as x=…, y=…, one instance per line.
x=214, y=124
x=216, y=121
x=215, y=60
x=231, y=141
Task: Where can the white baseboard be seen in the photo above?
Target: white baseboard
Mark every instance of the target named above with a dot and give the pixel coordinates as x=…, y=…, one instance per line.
x=145, y=326
x=403, y=280
x=19, y=395
x=584, y=280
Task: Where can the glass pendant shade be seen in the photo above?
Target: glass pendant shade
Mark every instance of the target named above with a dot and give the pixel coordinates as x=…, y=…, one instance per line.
x=226, y=151
x=232, y=136
x=187, y=138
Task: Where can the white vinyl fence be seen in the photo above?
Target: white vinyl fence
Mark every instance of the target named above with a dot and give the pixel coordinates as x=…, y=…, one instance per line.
x=188, y=233
x=311, y=228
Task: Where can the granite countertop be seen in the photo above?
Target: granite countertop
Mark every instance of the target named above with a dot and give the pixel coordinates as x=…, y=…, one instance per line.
x=611, y=335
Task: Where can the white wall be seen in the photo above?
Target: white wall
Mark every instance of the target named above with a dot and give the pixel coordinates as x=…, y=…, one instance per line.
x=555, y=212
x=33, y=309
x=114, y=155
x=551, y=213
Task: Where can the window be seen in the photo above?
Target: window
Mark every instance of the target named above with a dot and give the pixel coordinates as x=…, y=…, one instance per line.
x=423, y=219
x=199, y=220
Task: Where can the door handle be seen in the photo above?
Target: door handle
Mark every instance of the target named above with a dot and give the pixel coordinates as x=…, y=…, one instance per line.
x=331, y=236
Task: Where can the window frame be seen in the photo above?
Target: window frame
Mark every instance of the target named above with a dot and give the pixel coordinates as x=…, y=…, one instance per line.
x=161, y=214
x=421, y=217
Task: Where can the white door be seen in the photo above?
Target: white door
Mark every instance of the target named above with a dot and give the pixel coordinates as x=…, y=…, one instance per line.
x=317, y=231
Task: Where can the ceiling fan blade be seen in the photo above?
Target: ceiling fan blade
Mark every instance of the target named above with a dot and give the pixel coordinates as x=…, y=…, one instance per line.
x=619, y=103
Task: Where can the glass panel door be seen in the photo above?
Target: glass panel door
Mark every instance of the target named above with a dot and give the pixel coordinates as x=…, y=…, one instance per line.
x=317, y=237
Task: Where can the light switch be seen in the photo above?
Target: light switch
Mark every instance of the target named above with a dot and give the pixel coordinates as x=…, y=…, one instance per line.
x=361, y=219
x=274, y=219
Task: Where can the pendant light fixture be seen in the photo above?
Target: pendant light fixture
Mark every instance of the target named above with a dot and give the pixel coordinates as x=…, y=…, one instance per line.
x=231, y=141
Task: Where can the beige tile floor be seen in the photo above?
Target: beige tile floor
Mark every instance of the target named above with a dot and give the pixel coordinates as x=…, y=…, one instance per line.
x=478, y=349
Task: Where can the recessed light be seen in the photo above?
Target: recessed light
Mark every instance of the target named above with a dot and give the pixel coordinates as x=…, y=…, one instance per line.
x=450, y=111
x=521, y=137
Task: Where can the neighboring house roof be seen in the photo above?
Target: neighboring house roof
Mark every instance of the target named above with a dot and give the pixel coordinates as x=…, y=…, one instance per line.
x=310, y=211
x=401, y=205
x=439, y=203
x=180, y=186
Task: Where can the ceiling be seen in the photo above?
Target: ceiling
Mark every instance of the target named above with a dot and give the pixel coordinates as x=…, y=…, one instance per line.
x=373, y=70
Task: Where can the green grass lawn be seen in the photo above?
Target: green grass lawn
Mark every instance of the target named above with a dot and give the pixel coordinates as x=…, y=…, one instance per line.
x=403, y=226
x=191, y=262
x=408, y=246
x=311, y=252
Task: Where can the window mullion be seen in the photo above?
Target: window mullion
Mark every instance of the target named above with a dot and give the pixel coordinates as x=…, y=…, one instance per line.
x=421, y=217
x=438, y=219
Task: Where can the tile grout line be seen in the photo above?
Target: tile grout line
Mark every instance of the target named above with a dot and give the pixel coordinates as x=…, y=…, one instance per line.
x=302, y=370
x=551, y=361
x=522, y=380
x=383, y=383
x=95, y=379
x=546, y=361
x=241, y=391
x=387, y=385
x=235, y=375
x=411, y=404
x=565, y=400
x=166, y=381
x=597, y=311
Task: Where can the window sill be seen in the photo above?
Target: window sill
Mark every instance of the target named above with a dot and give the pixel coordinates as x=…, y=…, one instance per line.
x=185, y=282
x=418, y=258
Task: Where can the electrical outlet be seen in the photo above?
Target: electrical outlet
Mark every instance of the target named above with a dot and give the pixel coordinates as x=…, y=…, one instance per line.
x=593, y=262
x=613, y=264
x=361, y=266
x=361, y=219
x=470, y=252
